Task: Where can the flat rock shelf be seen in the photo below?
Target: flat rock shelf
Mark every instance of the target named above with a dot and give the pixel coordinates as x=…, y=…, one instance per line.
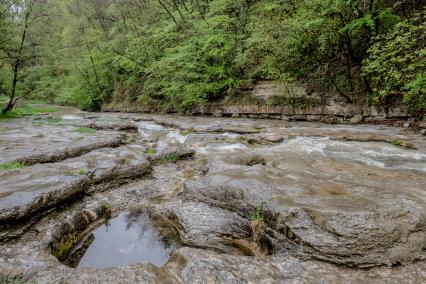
x=141, y=198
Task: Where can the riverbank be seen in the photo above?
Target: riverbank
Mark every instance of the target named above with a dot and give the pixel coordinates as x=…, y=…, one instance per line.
x=266, y=100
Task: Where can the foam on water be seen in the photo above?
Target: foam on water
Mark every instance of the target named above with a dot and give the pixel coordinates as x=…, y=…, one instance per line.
x=220, y=148
x=372, y=153
x=71, y=117
x=175, y=135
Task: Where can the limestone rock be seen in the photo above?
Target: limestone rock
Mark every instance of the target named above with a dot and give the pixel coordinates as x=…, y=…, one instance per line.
x=356, y=119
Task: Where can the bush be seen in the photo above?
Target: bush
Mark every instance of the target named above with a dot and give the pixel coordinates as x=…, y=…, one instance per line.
x=396, y=65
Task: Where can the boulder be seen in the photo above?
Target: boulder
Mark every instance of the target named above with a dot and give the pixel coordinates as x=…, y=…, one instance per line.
x=356, y=119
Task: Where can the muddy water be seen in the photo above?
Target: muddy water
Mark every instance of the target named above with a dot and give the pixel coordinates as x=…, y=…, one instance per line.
x=332, y=200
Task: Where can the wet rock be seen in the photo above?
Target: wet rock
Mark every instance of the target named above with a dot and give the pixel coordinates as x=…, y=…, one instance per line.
x=385, y=230
x=197, y=266
x=356, y=119
x=204, y=225
x=246, y=159
x=238, y=130
x=51, y=143
x=32, y=189
x=112, y=125
x=330, y=119
x=264, y=138
x=173, y=154
x=218, y=113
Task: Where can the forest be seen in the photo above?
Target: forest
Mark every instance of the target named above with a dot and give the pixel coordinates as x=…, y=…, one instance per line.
x=181, y=53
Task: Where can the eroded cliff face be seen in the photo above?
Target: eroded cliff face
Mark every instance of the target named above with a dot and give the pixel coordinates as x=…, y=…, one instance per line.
x=274, y=100
x=222, y=200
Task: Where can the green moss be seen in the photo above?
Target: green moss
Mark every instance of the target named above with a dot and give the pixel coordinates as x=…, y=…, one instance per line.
x=18, y=279
x=171, y=157
x=396, y=143
x=82, y=171
x=65, y=246
x=257, y=214
x=106, y=208
x=150, y=151
x=85, y=130
x=256, y=223
x=11, y=166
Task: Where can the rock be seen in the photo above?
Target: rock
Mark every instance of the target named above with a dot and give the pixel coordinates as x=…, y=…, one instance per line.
x=235, y=115
x=423, y=132
x=406, y=125
x=218, y=113
x=51, y=143
x=32, y=189
x=209, y=227
x=356, y=119
x=422, y=124
x=112, y=125
x=330, y=119
x=264, y=137
x=340, y=222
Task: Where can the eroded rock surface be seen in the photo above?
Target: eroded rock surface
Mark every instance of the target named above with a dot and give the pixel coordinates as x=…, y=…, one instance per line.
x=28, y=190
x=256, y=201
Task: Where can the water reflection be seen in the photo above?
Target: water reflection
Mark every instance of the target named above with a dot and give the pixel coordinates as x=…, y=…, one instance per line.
x=126, y=240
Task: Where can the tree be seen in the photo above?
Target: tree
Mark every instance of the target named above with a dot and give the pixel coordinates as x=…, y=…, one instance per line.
x=19, y=49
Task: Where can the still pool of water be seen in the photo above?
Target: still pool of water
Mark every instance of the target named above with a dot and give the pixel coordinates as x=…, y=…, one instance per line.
x=126, y=240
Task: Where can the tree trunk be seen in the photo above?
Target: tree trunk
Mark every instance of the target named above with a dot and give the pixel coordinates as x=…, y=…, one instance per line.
x=16, y=65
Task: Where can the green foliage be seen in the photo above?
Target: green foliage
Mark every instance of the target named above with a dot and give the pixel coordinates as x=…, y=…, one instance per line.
x=257, y=214
x=18, y=279
x=85, y=130
x=65, y=246
x=395, y=143
x=256, y=223
x=11, y=166
x=150, y=151
x=106, y=208
x=172, y=157
x=173, y=55
x=82, y=171
x=26, y=111
x=396, y=65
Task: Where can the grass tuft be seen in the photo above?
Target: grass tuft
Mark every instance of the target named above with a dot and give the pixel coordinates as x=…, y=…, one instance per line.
x=171, y=157
x=396, y=143
x=256, y=223
x=11, y=166
x=85, y=130
x=150, y=151
x=26, y=111
x=19, y=279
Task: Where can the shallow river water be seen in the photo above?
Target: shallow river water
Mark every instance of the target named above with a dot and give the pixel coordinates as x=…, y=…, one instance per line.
x=161, y=198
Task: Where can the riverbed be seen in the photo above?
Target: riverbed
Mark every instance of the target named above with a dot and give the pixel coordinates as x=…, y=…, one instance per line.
x=123, y=197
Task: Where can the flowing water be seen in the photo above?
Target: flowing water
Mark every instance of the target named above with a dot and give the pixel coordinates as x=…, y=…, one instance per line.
x=352, y=195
